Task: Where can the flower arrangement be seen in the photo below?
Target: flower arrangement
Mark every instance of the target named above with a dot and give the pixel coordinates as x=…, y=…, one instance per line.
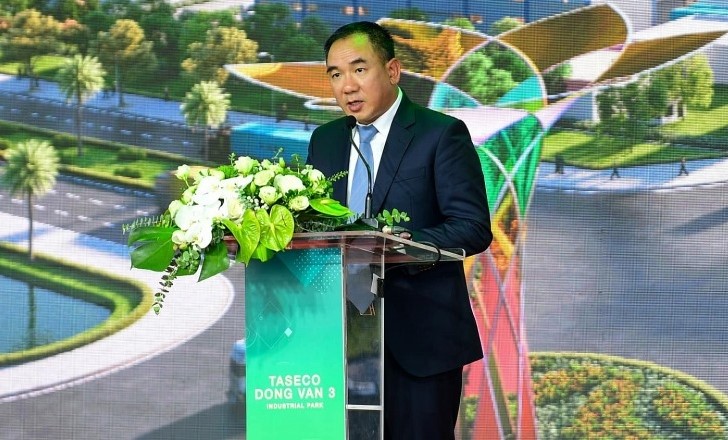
x=254, y=205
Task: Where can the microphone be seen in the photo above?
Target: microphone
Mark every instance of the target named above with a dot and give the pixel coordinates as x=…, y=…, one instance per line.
x=367, y=217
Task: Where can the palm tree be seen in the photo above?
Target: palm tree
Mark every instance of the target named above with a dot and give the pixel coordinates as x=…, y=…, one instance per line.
x=32, y=167
x=206, y=104
x=80, y=78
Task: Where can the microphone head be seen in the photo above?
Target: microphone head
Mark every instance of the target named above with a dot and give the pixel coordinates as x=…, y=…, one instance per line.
x=350, y=121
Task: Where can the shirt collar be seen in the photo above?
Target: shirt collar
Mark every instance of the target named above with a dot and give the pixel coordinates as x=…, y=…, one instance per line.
x=384, y=122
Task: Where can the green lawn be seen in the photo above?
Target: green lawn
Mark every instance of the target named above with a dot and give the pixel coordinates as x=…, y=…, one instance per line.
x=584, y=150
x=100, y=160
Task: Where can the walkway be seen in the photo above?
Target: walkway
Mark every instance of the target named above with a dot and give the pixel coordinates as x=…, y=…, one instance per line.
x=189, y=309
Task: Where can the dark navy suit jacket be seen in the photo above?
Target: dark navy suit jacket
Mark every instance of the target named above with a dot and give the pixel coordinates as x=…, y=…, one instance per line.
x=430, y=170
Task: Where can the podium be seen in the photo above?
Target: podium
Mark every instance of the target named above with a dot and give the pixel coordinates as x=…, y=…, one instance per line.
x=314, y=334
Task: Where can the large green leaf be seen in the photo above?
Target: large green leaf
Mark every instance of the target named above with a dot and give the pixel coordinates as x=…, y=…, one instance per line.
x=247, y=234
x=154, y=255
x=216, y=261
x=276, y=229
x=263, y=254
x=150, y=233
x=330, y=207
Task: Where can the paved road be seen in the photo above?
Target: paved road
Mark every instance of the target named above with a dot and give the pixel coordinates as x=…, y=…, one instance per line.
x=641, y=275
x=85, y=206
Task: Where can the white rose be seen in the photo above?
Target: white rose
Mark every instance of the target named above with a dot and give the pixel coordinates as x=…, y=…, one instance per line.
x=232, y=208
x=244, y=165
x=187, y=194
x=269, y=195
x=217, y=173
x=315, y=175
x=298, y=203
x=183, y=171
x=286, y=183
x=263, y=177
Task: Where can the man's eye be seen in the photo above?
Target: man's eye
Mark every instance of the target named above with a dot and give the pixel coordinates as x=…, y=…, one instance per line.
x=360, y=70
x=335, y=75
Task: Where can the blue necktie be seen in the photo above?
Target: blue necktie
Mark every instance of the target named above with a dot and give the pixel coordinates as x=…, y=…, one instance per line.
x=360, y=182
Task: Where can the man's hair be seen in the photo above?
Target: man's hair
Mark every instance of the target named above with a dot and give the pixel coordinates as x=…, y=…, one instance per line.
x=380, y=39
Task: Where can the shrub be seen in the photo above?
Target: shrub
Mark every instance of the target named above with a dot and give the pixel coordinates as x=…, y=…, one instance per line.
x=128, y=172
x=130, y=154
x=63, y=140
x=5, y=144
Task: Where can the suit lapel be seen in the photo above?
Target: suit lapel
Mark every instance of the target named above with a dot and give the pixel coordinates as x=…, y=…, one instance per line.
x=399, y=138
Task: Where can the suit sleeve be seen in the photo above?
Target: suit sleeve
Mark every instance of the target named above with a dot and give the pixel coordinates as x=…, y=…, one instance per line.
x=460, y=193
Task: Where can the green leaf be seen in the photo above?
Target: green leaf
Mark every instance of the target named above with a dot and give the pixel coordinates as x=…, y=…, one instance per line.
x=263, y=254
x=216, y=261
x=276, y=230
x=247, y=235
x=154, y=255
x=330, y=207
x=150, y=233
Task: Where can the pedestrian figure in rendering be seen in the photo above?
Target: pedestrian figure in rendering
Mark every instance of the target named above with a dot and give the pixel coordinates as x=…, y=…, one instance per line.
x=615, y=172
x=424, y=163
x=683, y=167
x=559, y=164
x=282, y=112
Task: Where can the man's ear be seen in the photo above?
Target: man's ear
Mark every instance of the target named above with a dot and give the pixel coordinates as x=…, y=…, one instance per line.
x=394, y=68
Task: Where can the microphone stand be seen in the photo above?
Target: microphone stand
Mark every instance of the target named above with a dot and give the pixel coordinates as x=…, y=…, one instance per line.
x=367, y=218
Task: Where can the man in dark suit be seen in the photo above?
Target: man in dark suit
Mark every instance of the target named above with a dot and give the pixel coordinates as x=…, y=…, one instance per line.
x=424, y=163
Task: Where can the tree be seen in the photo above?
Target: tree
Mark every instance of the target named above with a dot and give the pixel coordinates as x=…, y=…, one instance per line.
x=163, y=30
x=268, y=23
x=460, y=22
x=32, y=167
x=12, y=7
x=194, y=27
x=224, y=45
x=503, y=25
x=314, y=27
x=74, y=9
x=31, y=34
x=80, y=78
x=122, y=9
x=300, y=48
x=624, y=111
x=688, y=83
x=479, y=77
x=206, y=105
x=555, y=79
x=409, y=14
x=125, y=48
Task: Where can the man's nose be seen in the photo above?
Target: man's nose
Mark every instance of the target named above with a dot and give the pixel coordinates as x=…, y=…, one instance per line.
x=350, y=84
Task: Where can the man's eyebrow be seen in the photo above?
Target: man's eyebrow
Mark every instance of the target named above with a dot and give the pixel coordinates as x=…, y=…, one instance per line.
x=356, y=61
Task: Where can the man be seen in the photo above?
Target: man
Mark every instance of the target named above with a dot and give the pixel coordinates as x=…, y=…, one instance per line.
x=424, y=163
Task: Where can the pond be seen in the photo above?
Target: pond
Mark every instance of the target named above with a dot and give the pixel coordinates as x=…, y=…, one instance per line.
x=32, y=316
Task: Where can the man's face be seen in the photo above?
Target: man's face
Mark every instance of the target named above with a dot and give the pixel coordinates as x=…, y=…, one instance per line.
x=364, y=85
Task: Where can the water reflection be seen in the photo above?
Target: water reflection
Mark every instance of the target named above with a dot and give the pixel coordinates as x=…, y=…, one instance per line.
x=31, y=316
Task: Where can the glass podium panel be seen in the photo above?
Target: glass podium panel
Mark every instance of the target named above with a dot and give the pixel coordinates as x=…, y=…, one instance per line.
x=323, y=292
